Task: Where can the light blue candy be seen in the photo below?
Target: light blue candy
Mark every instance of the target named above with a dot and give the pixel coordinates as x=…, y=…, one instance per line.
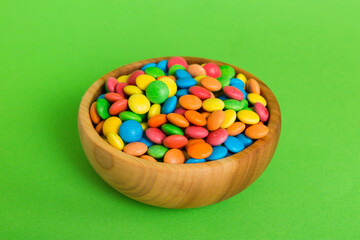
x=217, y=153
x=181, y=73
x=169, y=105
x=222, y=97
x=233, y=144
x=148, y=65
x=185, y=82
x=101, y=96
x=244, y=92
x=130, y=131
x=194, y=160
x=182, y=92
x=237, y=82
x=163, y=65
x=245, y=140
x=145, y=140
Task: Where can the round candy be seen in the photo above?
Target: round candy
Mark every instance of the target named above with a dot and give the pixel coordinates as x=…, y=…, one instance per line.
x=215, y=120
x=248, y=117
x=257, y=131
x=110, y=84
x=182, y=92
x=236, y=128
x=211, y=84
x=199, y=150
x=147, y=66
x=132, y=77
x=235, y=104
x=212, y=70
x=123, y=78
x=115, y=141
x=130, y=131
x=196, y=70
x=196, y=132
x=162, y=65
x=234, y=144
x=157, y=92
x=127, y=115
x=193, y=160
x=190, y=102
x=94, y=116
x=101, y=96
x=102, y=108
x=112, y=124
x=195, y=118
x=233, y=92
x=246, y=140
x=181, y=73
x=157, y=151
x=174, y=156
x=213, y=104
x=254, y=98
x=154, y=110
x=178, y=120
x=185, y=82
x=230, y=117
x=200, y=92
x=135, y=148
x=147, y=157
x=175, y=141
x=261, y=111
x=131, y=89
x=217, y=137
x=139, y=104
x=227, y=71
x=170, y=84
x=170, y=129
x=146, y=141
x=253, y=86
x=173, y=69
x=113, y=97
x=154, y=72
x=242, y=77
x=157, y=120
x=192, y=141
x=169, y=105
x=177, y=61
x=218, y=153
x=155, y=135
x=224, y=81
x=143, y=81
x=120, y=88
x=239, y=83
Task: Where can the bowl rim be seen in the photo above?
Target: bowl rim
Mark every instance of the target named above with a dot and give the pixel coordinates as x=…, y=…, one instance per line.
x=84, y=121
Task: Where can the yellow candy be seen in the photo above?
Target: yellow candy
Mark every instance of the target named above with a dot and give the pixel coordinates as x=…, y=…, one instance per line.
x=213, y=104
x=111, y=125
x=115, y=141
x=138, y=103
x=170, y=84
x=254, y=98
x=248, y=117
x=131, y=89
x=242, y=77
x=144, y=126
x=123, y=78
x=143, y=81
x=230, y=117
x=154, y=110
x=198, y=78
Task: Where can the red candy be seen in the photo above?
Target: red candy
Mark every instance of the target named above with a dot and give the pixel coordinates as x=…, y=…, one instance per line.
x=196, y=132
x=261, y=111
x=233, y=92
x=118, y=107
x=180, y=110
x=217, y=137
x=111, y=84
x=175, y=141
x=155, y=135
x=120, y=88
x=212, y=70
x=200, y=92
x=177, y=61
x=132, y=78
x=113, y=97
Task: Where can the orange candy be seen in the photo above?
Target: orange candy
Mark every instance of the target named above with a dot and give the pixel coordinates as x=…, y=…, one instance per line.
x=135, y=148
x=195, y=118
x=215, y=120
x=147, y=157
x=196, y=70
x=256, y=131
x=205, y=114
x=194, y=140
x=157, y=120
x=211, y=84
x=95, y=118
x=199, y=150
x=174, y=156
x=178, y=120
x=99, y=127
x=190, y=102
x=253, y=86
x=236, y=128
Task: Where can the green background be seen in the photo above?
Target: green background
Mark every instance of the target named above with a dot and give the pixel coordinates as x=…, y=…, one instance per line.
x=306, y=51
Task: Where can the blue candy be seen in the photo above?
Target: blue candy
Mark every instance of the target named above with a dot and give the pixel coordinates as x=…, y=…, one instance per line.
x=244, y=92
x=185, y=82
x=130, y=131
x=163, y=65
x=182, y=92
x=101, y=96
x=233, y=144
x=145, y=140
x=181, y=73
x=169, y=105
x=194, y=160
x=244, y=139
x=237, y=82
x=222, y=97
x=148, y=65
x=217, y=153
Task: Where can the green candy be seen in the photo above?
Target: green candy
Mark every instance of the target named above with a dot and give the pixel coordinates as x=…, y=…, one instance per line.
x=227, y=71
x=143, y=116
x=157, y=92
x=157, y=151
x=235, y=104
x=224, y=80
x=170, y=129
x=248, y=109
x=127, y=115
x=154, y=71
x=102, y=108
x=173, y=69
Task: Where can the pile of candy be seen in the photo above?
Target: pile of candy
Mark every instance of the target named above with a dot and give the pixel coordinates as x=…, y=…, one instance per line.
x=178, y=113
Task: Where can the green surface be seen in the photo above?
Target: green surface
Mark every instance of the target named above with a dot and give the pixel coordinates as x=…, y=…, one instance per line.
x=306, y=51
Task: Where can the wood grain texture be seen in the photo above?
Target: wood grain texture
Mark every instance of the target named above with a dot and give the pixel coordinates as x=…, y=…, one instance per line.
x=177, y=186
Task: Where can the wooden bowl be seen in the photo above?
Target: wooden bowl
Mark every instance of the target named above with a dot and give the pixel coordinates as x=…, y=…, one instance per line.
x=170, y=185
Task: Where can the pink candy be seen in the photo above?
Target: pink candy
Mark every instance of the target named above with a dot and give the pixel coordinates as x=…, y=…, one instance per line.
x=212, y=70
x=177, y=61
x=200, y=92
x=180, y=111
x=132, y=78
x=233, y=92
x=111, y=84
x=120, y=88
x=261, y=111
x=217, y=137
x=155, y=135
x=196, y=132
